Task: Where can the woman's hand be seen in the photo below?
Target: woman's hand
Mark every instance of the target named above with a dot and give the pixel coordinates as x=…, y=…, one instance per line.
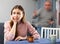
x=17, y=38
x=13, y=19
x=20, y=38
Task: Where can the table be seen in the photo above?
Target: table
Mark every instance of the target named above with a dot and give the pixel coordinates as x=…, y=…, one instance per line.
x=41, y=41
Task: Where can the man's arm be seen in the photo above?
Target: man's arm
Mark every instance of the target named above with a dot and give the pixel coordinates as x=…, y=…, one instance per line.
x=36, y=13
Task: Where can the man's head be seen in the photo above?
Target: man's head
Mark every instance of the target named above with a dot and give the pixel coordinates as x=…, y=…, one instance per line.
x=47, y=5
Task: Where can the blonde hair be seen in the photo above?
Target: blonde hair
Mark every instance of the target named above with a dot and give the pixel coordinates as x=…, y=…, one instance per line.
x=20, y=8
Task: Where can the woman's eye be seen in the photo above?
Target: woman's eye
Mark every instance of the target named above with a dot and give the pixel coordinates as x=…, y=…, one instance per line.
x=13, y=12
x=18, y=13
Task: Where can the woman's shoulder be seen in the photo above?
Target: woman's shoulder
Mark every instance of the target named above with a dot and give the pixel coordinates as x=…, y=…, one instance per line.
x=27, y=23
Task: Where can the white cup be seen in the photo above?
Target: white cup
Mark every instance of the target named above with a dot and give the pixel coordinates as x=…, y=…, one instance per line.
x=53, y=39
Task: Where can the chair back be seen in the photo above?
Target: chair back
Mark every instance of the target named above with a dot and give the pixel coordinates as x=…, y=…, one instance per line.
x=47, y=32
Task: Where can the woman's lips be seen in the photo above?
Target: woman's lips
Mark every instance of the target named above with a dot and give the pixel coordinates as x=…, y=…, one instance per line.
x=15, y=18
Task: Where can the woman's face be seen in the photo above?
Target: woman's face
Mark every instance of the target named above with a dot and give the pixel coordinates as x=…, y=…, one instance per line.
x=17, y=14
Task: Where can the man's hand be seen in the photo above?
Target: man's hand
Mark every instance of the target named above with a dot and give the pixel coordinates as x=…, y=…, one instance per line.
x=50, y=22
x=34, y=13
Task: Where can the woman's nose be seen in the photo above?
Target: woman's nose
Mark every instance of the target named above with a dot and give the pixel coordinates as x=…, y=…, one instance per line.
x=16, y=15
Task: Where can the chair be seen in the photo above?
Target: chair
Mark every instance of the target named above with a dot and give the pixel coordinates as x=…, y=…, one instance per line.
x=1, y=33
x=47, y=32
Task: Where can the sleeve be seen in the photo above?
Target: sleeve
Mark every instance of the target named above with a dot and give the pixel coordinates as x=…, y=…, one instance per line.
x=38, y=13
x=53, y=16
x=7, y=35
x=33, y=31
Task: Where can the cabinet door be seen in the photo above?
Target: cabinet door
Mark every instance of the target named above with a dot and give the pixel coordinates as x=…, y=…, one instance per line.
x=59, y=18
x=59, y=12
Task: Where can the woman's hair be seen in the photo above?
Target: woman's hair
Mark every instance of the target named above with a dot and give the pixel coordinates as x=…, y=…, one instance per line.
x=20, y=8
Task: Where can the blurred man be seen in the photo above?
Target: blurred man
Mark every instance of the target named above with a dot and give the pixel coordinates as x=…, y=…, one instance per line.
x=44, y=16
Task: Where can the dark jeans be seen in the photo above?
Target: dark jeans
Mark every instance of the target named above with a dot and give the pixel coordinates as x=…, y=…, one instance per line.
x=39, y=29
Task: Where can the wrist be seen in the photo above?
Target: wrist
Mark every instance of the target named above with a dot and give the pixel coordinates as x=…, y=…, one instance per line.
x=15, y=22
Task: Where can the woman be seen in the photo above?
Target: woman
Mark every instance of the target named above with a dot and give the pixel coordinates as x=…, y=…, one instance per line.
x=17, y=27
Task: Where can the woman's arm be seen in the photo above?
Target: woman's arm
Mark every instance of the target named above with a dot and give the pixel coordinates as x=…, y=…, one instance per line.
x=9, y=33
x=33, y=31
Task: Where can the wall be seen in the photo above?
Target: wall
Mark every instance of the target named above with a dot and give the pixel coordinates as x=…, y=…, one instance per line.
x=7, y=5
x=57, y=8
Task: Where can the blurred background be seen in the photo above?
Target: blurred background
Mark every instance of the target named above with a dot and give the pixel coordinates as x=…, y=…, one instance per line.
x=28, y=5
